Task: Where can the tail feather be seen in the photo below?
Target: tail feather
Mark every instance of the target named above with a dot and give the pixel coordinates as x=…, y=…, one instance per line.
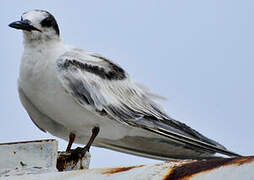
x=192, y=142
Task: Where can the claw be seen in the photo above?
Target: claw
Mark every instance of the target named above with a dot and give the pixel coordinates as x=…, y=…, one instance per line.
x=78, y=153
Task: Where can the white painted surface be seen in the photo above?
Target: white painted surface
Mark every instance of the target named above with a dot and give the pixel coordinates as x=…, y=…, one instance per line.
x=154, y=172
x=39, y=162
x=41, y=153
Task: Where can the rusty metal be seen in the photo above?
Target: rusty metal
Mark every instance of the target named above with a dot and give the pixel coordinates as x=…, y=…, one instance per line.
x=189, y=169
x=65, y=162
x=33, y=157
x=37, y=160
x=26, y=142
x=219, y=169
x=120, y=169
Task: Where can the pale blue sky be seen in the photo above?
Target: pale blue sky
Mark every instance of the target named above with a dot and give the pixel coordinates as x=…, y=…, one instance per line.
x=199, y=54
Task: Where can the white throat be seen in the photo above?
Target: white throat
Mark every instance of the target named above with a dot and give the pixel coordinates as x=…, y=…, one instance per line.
x=33, y=38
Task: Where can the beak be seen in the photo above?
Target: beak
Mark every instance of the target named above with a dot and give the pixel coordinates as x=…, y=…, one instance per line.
x=23, y=25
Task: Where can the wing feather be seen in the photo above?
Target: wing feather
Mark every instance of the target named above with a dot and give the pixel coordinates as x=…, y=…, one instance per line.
x=98, y=84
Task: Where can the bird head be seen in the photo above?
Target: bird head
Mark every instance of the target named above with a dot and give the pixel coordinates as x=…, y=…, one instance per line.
x=37, y=25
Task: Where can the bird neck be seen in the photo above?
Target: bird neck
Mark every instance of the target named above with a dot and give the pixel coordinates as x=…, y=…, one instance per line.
x=34, y=39
x=37, y=43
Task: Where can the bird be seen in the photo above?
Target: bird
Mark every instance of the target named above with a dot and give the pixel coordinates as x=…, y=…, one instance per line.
x=86, y=98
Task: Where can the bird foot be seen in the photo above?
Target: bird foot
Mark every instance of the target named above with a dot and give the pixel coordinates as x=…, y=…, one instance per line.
x=78, y=153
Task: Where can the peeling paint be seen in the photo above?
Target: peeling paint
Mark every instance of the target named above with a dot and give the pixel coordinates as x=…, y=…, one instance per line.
x=18, y=158
x=187, y=170
x=65, y=162
x=25, y=142
x=37, y=160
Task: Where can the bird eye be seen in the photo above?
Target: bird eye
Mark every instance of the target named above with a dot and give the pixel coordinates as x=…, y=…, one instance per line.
x=47, y=22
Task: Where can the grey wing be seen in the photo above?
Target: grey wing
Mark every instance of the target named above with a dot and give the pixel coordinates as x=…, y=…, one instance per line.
x=103, y=87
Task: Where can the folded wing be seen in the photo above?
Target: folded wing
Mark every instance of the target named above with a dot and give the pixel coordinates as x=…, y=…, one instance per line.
x=104, y=88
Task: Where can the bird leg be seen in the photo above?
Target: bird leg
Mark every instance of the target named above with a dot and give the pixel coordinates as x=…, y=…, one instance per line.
x=72, y=137
x=80, y=152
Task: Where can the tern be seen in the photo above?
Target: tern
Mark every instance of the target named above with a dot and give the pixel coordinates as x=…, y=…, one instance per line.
x=85, y=98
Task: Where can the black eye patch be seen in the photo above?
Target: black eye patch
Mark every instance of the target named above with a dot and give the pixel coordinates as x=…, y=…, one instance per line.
x=47, y=22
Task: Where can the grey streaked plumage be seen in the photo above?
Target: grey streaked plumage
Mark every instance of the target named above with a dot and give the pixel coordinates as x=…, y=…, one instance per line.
x=132, y=106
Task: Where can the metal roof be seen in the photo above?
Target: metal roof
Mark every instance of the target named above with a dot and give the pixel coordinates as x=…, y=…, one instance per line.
x=37, y=160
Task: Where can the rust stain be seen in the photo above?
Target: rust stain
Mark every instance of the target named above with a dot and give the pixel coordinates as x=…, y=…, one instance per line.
x=61, y=163
x=243, y=160
x=185, y=171
x=174, y=160
x=120, y=169
x=67, y=160
x=23, y=142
